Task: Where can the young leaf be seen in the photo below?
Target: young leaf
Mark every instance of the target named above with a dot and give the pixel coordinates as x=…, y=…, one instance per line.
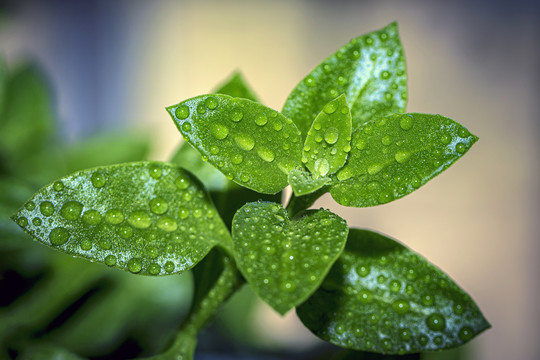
x=148, y=218
x=303, y=183
x=237, y=87
x=251, y=144
x=395, y=155
x=329, y=140
x=380, y=296
x=370, y=71
x=285, y=260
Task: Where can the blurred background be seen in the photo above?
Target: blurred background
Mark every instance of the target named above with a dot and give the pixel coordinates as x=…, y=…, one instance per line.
x=115, y=65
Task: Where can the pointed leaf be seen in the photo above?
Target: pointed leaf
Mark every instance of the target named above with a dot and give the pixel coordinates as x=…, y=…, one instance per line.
x=251, y=144
x=237, y=87
x=380, y=296
x=303, y=183
x=149, y=218
x=328, y=141
x=395, y=155
x=370, y=71
x=285, y=260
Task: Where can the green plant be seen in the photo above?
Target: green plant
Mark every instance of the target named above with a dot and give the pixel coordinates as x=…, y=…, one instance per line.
x=342, y=130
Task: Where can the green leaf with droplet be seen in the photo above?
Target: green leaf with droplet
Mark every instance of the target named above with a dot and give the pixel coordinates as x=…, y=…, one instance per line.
x=149, y=218
x=369, y=70
x=236, y=86
x=380, y=296
x=395, y=155
x=328, y=141
x=251, y=144
x=285, y=260
x=303, y=183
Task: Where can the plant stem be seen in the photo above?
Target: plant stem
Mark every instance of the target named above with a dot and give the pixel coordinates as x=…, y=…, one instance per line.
x=301, y=203
x=202, y=312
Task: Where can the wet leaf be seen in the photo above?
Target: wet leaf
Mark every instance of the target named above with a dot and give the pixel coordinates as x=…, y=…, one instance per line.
x=380, y=296
x=303, y=183
x=395, y=155
x=148, y=218
x=285, y=260
x=369, y=70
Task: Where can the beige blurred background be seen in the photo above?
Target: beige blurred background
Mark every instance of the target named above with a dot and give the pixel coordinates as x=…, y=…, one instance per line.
x=119, y=63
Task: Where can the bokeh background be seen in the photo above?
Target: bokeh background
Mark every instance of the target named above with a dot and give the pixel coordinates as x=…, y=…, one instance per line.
x=117, y=64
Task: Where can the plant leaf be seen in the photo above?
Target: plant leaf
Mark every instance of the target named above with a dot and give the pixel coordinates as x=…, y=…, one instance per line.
x=285, y=260
x=149, y=218
x=303, y=183
x=251, y=144
x=236, y=86
x=380, y=296
x=395, y=155
x=328, y=141
x=369, y=70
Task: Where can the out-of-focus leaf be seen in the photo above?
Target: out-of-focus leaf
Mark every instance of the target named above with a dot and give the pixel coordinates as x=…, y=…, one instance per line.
x=236, y=86
x=380, y=296
x=148, y=218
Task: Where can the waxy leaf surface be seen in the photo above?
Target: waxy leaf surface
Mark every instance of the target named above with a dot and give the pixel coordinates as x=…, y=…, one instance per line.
x=251, y=144
x=395, y=155
x=369, y=70
x=285, y=260
x=303, y=183
x=328, y=141
x=380, y=296
x=148, y=218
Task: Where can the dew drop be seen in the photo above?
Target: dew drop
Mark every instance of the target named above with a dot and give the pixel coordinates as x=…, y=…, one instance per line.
x=110, y=260
x=446, y=139
x=288, y=286
x=182, y=112
x=22, y=221
x=197, y=213
x=154, y=269
x=155, y=171
x=105, y=244
x=436, y=322
x=71, y=210
x=375, y=168
x=182, y=182
x=169, y=266
x=30, y=206
x=91, y=217
x=402, y=156
x=219, y=131
x=331, y=135
x=58, y=185
x=114, y=216
x=310, y=81
x=183, y=213
x=58, y=236
x=405, y=334
x=322, y=167
x=460, y=148
x=201, y=108
x=330, y=108
x=46, y=208
x=344, y=174
x=361, y=144
x=278, y=125
x=363, y=270
x=261, y=120
x=265, y=154
x=406, y=122
x=86, y=245
x=237, y=116
x=167, y=223
x=125, y=232
x=365, y=296
x=423, y=340
x=395, y=285
x=237, y=159
x=244, y=141
x=466, y=333
x=37, y=221
x=214, y=150
x=211, y=103
x=463, y=133
x=158, y=205
x=385, y=75
x=139, y=219
x=401, y=306
x=244, y=178
x=186, y=127
x=458, y=309
x=134, y=265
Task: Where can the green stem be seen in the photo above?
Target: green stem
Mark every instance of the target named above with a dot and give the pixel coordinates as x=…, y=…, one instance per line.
x=202, y=312
x=298, y=204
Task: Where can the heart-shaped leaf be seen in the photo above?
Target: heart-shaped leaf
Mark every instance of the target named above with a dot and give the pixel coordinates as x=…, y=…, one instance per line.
x=328, y=141
x=303, y=183
x=370, y=71
x=395, y=155
x=285, y=260
x=251, y=144
x=149, y=218
x=380, y=296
